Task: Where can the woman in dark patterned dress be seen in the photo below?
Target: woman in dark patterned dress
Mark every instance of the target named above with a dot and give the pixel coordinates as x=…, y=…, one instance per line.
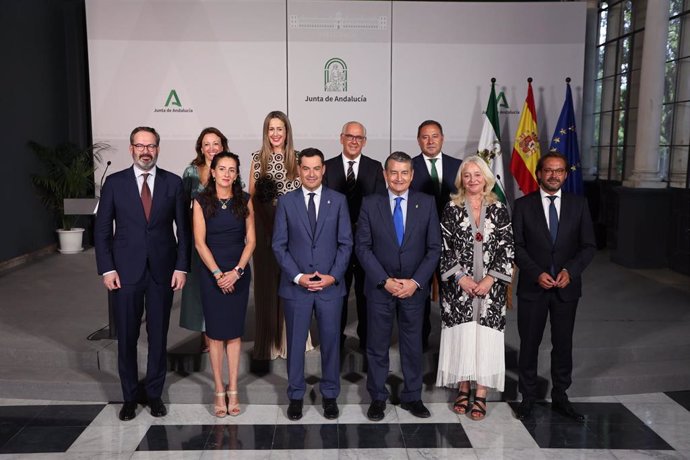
x=476, y=266
x=224, y=238
x=273, y=172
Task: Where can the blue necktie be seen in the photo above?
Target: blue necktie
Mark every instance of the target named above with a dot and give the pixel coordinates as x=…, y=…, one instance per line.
x=311, y=212
x=398, y=220
x=553, y=219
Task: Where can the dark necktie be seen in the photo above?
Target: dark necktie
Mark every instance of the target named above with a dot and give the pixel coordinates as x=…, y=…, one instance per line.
x=146, y=196
x=434, y=177
x=398, y=220
x=311, y=212
x=553, y=219
x=351, y=182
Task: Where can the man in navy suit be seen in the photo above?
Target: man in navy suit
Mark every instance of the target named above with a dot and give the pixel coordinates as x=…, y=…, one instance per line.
x=355, y=175
x=434, y=174
x=398, y=245
x=312, y=241
x=142, y=262
x=554, y=243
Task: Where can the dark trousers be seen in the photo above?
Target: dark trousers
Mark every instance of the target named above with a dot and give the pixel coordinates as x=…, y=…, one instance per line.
x=298, y=315
x=355, y=271
x=130, y=301
x=380, y=317
x=531, y=322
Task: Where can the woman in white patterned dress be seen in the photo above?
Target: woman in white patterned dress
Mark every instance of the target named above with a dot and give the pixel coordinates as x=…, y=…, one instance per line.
x=476, y=266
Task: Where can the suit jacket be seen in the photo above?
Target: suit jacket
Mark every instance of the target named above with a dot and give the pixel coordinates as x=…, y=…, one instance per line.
x=135, y=243
x=574, y=248
x=421, y=182
x=298, y=251
x=377, y=245
x=369, y=180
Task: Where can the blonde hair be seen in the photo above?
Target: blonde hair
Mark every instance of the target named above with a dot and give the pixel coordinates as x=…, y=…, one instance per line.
x=488, y=196
x=289, y=149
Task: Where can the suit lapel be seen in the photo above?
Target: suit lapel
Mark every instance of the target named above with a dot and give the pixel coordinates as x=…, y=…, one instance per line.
x=538, y=208
x=387, y=217
x=300, y=209
x=159, y=193
x=413, y=217
x=338, y=173
x=324, y=209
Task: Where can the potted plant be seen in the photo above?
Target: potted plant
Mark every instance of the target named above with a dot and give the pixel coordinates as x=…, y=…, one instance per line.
x=68, y=173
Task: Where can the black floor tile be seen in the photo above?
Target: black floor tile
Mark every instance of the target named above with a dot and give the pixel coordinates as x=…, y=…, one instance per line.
x=370, y=436
x=175, y=437
x=434, y=435
x=606, y=413
x=8, y=429
x=563, y=435
x=67, y=415
x=628, y=437
x=681, y=397
x=236, y=437
x=42, y=439
x=20, y=414
x=306, y=436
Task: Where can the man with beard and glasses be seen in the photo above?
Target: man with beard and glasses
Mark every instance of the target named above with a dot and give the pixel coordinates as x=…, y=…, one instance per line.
x=554, y=243
x=142, y=262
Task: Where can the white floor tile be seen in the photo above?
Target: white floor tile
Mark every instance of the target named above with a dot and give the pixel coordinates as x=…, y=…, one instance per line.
x=170, y=454
x=109, y=439
x=440, y=413
x=368, y=454
x=441, y=454
x=647, y=454
x=492, y=434
x=357, y=413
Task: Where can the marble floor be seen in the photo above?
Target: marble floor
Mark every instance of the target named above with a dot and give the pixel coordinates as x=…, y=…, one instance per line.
x=617, y=427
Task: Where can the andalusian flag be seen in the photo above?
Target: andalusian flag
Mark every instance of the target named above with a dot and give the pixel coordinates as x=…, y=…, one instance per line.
x=526, y=151
x=489, y=147
x=565, y=142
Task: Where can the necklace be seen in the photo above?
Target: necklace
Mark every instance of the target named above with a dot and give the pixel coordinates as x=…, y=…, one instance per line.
x=224, y=203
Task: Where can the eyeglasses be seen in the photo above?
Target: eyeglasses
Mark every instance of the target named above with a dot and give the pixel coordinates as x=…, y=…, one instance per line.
x=555, y=172
x=141, y=147
x=350, y=138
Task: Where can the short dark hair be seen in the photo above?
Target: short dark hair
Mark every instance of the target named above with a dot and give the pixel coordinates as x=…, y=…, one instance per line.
x=146, y=129
x=308, y=153
x=400, y=157
x=430, y=122
x=552, y=154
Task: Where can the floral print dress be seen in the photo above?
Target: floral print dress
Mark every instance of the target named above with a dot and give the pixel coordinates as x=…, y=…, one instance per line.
x=472, y=341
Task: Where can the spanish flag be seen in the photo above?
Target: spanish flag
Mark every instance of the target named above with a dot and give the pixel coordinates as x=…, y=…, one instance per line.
x=526, y=151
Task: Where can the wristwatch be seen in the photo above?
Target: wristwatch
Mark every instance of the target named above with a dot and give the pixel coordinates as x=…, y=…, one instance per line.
x=240, y=271
x=381, y=284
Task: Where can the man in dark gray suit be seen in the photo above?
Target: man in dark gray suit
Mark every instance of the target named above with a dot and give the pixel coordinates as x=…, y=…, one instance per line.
x=398, y=243
x=312, y=241
x=554, y=243
x=355, y=175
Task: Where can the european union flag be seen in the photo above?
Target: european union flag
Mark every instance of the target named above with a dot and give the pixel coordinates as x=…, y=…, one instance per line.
x=564, y=141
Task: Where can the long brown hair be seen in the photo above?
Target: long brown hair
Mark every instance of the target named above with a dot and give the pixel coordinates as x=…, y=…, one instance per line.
x=200, y=160
x=208, y=199
x=289, y=148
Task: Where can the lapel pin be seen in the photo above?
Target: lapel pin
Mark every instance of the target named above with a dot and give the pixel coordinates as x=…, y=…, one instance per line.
x=328, y=202
x=416, y=206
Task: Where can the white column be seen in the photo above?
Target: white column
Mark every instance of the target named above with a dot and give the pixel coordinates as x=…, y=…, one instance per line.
x=646, y=172
x=588, y=157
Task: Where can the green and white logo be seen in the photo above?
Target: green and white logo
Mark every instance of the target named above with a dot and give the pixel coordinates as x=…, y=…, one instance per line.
x=501, y=100
x=173, y=104
x=173, y=99
x=335, y=75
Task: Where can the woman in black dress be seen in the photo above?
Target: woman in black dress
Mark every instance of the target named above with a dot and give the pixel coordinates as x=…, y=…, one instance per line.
x=224, y=237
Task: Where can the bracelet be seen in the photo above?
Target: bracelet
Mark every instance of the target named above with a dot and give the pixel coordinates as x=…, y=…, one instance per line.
x=215, y=272
x=221, y=276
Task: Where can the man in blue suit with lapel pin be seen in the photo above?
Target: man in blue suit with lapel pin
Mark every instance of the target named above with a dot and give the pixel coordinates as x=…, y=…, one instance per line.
x=142, y=262
x=554, y=243
x=434, y=174
x=399, y=245
x=312, y=241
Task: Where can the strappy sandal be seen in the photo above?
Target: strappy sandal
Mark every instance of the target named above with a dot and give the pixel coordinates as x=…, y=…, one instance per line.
x=220, y=411
x=233, y=409
x=477, y=408
x=462, y=403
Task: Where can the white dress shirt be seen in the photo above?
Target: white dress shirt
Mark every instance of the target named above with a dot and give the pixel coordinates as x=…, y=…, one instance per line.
x=546, y=202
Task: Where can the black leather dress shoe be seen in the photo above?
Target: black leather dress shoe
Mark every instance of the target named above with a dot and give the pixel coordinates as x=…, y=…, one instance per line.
x=158, y=408
x=330, y=408
x=128, y=411
x=377, y=410
x=524, y=410
x=416, y=408
x=294, y=411
x=567, y=410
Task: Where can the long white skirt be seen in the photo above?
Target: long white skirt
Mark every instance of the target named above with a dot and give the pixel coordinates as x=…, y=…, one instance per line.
x=472, y=352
